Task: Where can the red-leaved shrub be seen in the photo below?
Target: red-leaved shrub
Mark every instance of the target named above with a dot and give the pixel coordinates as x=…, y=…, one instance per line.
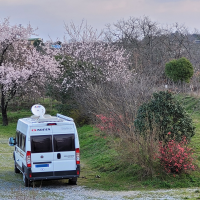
x=176, y=157
x=111, y=124
x=106, y=123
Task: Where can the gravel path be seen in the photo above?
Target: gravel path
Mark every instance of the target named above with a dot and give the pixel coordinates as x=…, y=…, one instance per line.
x=66, y=192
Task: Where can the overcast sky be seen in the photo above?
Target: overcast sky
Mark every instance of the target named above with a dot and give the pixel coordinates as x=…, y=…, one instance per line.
x=50, y=15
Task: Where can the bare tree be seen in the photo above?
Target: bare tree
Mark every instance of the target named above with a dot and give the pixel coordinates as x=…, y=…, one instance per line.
x=151, y=45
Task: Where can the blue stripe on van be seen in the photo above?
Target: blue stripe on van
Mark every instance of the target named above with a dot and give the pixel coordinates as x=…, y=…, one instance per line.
x=43, y=165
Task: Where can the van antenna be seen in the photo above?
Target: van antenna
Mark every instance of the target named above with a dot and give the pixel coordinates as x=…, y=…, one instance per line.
x=38, y=110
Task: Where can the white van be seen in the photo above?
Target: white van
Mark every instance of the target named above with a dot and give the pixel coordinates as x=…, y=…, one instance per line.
x=46, y=147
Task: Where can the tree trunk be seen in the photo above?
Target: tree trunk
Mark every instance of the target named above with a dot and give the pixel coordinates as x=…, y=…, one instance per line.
x=4, y=116
x=4, y=110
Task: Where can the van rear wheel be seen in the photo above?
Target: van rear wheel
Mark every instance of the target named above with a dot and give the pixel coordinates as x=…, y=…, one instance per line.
x=73, y=181
x=26, y=181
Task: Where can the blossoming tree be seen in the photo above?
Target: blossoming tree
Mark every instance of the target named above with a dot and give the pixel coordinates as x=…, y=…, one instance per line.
x=95, y=63
x=21, y=65
x=87, y=59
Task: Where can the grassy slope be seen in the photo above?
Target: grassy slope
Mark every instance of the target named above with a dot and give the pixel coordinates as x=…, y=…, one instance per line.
x=115, y=175
x=192, y=105
x=99, y=160
x=103, y=161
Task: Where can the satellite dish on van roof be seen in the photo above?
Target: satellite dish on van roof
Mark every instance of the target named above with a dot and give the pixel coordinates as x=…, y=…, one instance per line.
x=38, y=110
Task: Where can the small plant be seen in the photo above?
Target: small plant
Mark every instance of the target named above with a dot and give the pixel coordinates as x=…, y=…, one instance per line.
x=179, y=70
x=176, y=157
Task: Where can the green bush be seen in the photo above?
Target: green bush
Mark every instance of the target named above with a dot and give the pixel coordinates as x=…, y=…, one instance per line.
x=165, y=114
x=179, y=70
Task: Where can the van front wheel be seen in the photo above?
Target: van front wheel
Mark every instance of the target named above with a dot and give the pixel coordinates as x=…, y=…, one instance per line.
x=26, y=181
x=16, y=170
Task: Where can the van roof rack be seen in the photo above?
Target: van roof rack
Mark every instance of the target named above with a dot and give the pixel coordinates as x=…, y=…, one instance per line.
x=65, y=117
x=46, y=118
x=49, y=118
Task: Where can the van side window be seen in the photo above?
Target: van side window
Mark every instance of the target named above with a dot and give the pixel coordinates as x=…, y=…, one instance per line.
x=64, y=142
x=41, y=144
x=17, y=138
x=20, y=140
x=23, y=145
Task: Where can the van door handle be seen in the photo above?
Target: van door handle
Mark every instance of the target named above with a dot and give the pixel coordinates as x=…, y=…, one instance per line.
x=58, y=155
x=17, y=159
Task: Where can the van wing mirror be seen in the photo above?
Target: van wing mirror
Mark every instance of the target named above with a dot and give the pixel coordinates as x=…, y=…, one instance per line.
x=11, y=141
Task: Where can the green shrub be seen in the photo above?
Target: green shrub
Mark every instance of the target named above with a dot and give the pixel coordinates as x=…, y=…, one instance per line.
x=166, y=114
x=179, y=70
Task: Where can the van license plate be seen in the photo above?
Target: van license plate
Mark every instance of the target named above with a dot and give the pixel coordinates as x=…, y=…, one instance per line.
x=42, y=165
